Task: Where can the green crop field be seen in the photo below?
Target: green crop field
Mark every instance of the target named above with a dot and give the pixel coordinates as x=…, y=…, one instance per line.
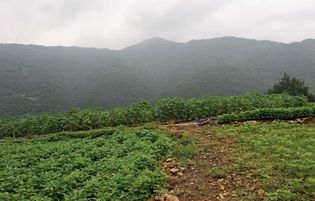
x=109, y=164
x=280, y=155
x=91, y=154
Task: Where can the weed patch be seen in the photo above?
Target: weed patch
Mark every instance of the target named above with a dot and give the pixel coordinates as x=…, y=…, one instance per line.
x=280, y=155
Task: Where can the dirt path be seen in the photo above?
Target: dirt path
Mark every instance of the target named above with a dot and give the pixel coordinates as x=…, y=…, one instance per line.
x=210, y=176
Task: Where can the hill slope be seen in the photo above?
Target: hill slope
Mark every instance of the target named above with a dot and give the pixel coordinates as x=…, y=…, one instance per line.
x=37, y=78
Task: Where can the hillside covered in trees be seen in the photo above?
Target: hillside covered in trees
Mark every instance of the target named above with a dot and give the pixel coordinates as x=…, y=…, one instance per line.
x=37, y=79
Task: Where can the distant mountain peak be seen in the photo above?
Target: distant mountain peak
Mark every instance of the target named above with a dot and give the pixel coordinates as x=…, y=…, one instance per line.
x=151, y=43
x=308, y=40
x=155, y=39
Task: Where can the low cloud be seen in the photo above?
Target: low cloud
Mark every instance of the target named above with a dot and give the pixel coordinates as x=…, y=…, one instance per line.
x=118, y=23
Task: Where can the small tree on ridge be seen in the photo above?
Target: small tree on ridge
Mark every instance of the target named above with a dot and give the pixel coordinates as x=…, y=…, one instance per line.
x=292, y=86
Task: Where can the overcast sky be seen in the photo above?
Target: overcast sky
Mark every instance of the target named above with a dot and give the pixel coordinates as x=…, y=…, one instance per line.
x=118, y=23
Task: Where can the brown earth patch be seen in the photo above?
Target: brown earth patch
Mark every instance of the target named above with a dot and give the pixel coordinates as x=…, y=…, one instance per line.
x=310, y=121
x=210, y=176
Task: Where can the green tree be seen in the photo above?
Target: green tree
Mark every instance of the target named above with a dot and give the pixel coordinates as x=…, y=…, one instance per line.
x=292, y=86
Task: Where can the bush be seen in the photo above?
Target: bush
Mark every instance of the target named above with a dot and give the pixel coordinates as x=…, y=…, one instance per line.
x=140, y=113
x=165, y=110
x=180, y=110
x=268, y=114
x=173, y=109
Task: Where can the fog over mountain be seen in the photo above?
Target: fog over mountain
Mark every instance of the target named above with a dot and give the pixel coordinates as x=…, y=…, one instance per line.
x=37, y=79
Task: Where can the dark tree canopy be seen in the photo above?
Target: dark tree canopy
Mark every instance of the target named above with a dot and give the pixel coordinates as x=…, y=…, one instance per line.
x=292, y=86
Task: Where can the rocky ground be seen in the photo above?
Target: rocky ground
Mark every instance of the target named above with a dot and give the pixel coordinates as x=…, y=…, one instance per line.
x=210, y=175
x=195, y=181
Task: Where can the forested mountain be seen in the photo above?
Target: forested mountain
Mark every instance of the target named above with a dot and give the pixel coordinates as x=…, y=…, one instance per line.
x=39, y=79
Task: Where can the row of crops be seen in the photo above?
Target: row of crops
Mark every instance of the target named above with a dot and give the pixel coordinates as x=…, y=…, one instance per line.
x=107, y=164
x=268, y=114
x=169, y=109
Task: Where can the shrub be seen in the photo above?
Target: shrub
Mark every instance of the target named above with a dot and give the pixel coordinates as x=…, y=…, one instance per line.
x=268, y=114
x=173, y=109
x=139, y=113
x=169, y=109
x=180, y=110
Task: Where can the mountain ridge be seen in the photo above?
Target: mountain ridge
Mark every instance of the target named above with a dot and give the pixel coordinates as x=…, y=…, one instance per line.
x=37, y=79
x=157, y=38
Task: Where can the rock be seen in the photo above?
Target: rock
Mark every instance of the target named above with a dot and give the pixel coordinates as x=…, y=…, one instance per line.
x=180, y=174
x=305, y=119
x=203, y=157
x=168, y=160
x=221, y=196
x=174, y=170
x=298, y=120
x=170, y=165
x=291, y=122
x=261, y=192
x=172, y=198
x=159, y=198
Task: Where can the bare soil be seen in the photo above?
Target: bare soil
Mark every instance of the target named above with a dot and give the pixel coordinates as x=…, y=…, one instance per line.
x=197, y=182
x=310, y=121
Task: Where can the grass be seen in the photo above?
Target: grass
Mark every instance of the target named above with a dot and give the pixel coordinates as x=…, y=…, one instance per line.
x=184, y=152
x=218, y=172
x=280, y=155
x=185, y=148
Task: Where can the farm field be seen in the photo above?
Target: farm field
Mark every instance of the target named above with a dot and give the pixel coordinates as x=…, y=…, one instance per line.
x=248, y=161
x=108, y=164
x=249, y=147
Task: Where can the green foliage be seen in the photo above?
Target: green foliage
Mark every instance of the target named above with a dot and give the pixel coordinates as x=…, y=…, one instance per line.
x=281, y=156
x=139, y=113
x=187, y=139
x=180, y=110
x=173, y=109
x=218, y=172
x=292, y=86
x=268, y=114
x=107, y=164
x=184, y=151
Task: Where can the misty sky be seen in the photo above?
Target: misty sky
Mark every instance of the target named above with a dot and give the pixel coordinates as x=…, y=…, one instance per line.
x=118, y=23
